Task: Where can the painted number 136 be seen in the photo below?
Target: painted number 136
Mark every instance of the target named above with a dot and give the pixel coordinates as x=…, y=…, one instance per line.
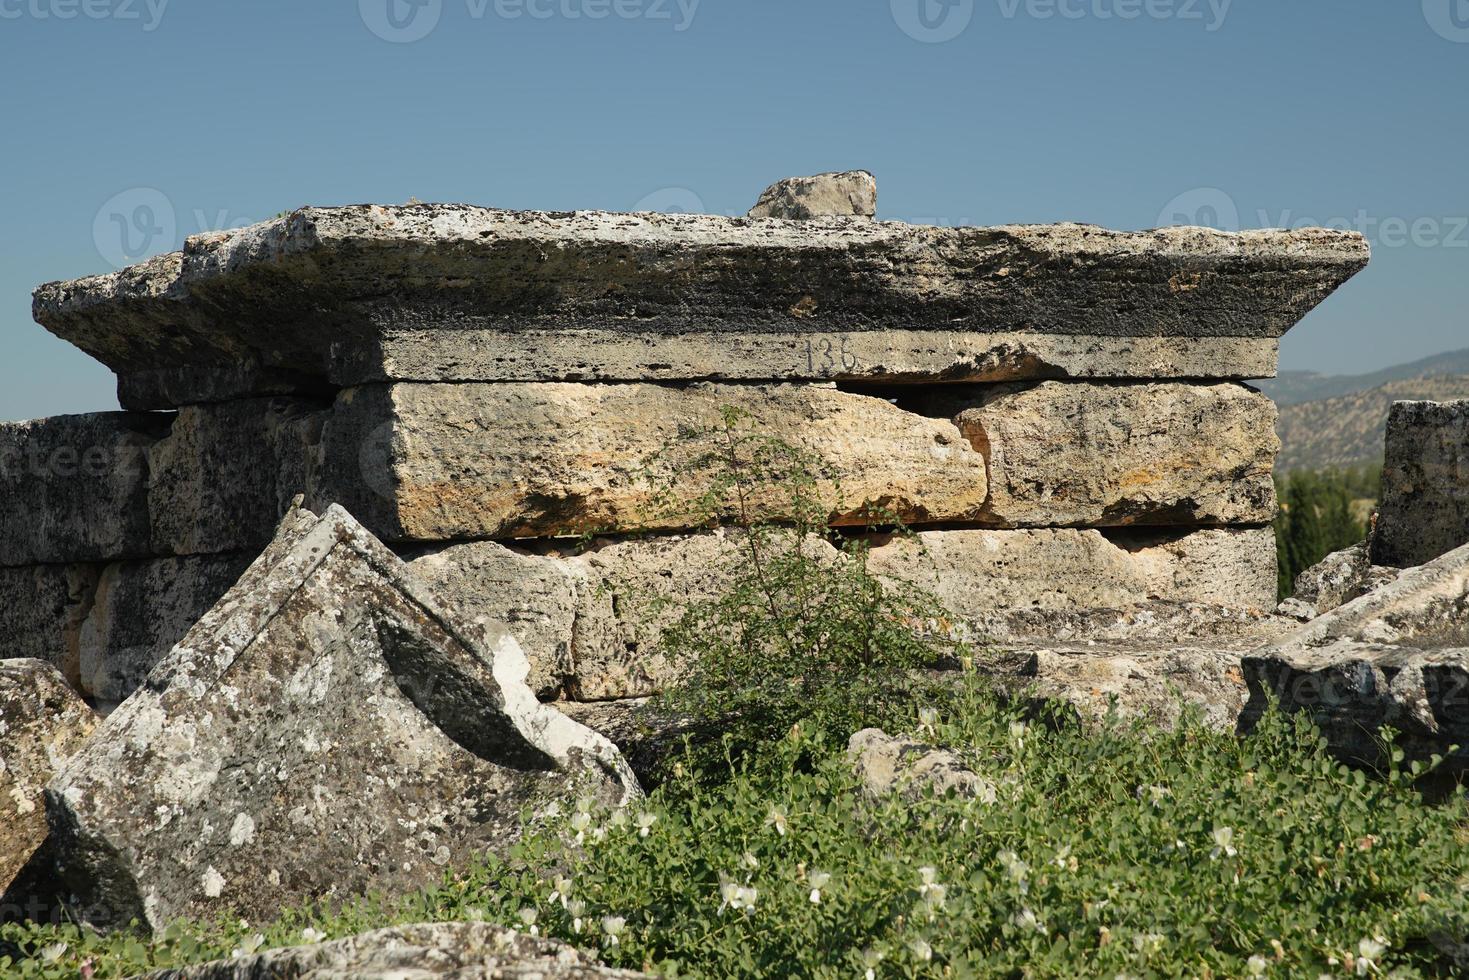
x=825, y=355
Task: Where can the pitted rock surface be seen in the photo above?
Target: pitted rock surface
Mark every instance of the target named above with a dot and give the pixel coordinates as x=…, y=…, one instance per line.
x=1425, y=484
x=42, y=724
x=886, y=764
x=328, y=728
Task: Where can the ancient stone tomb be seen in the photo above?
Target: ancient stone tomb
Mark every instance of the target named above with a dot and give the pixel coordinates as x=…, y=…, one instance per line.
x=1059, y=410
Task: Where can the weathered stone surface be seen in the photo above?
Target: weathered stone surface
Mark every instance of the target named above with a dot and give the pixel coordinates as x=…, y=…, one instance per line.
x=1425, y=484
x=139, y=611
x=1396, y=656
x=227, y=473
x=267, y=308
x=441, y=951
x=896, y=355
x=42, y=609
x=978, y=573
x=327, y=728
x=1336, y=580
x=75, y=487
x=853, y=192
x=886, y=764
x=442, y=462
x=42, y=723
x=1098, y=455
x=592, y=618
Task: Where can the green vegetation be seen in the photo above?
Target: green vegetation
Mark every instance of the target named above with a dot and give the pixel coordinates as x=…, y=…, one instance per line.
x=1321, y=512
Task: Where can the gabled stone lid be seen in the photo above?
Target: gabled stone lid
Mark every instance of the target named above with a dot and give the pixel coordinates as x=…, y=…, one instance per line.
x=321, y=294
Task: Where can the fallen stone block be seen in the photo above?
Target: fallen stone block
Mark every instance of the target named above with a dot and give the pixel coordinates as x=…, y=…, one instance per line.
x=441, y=951
x=139, y=611
x=445, y=462
x=886, y=764
x=1106, y=455
x=42, y=609
x=42, y=724
x=76, y=487
x=802, y=198
x=1425, y=484
x=592, y=617
x=318, y=293
x=1396, y=656
x=1336, y=580
x=328, y=728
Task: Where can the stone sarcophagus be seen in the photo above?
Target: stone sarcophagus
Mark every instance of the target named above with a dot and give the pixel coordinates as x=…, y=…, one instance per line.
x=1058, y=410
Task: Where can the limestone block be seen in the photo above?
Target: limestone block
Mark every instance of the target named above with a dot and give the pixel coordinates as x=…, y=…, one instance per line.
x=327, y=729
x=42, y=723
x=1425, y=484
x=1336, y=580
x=440, y=951
x=610, y=601
x=1105, y=455
x=445, y=462
x=269, y=308
x=886, y=764
x=139, y=611
x=76, y=487
x=42, y=609
x=800, y=198
x=226, y=474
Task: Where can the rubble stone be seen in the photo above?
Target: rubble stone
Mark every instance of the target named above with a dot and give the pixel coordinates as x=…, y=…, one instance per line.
x=886, y=764
x=801, y=198
x=327, y=729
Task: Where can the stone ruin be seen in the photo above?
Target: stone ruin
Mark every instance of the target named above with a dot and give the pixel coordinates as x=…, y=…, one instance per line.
x=479, y=403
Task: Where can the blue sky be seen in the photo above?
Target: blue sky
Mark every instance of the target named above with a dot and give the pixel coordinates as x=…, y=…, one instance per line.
x=1126, y=113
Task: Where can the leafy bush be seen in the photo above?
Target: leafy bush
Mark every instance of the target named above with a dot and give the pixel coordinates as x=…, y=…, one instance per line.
x=804, y=630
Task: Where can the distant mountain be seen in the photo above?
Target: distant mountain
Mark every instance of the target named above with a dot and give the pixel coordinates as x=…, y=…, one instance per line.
x=1295, y=387
x=1347, y=430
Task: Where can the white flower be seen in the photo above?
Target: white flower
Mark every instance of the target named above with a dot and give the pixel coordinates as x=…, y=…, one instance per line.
x=312, y=935
x=528, y=918
x=921, y=949
x=1017, y=869
x=777, y=819
x=1223, y=843
x=1063, y=858
x=618, y=819
x=580, y=821
x=734, y=895
x=927, y=876
x=1017, y=733
x=247, y=947
x=1026, y=919
x=817, y=881
x=575, y=908
x=54, y=952
x=584, y=804
x=645, y=823
x=561, y=890
x=1147, y=942
x=613, y=926
x=1369, y=951
x=1257, y=965
x=870, y=959
x=928, y=718
x=749, y=860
